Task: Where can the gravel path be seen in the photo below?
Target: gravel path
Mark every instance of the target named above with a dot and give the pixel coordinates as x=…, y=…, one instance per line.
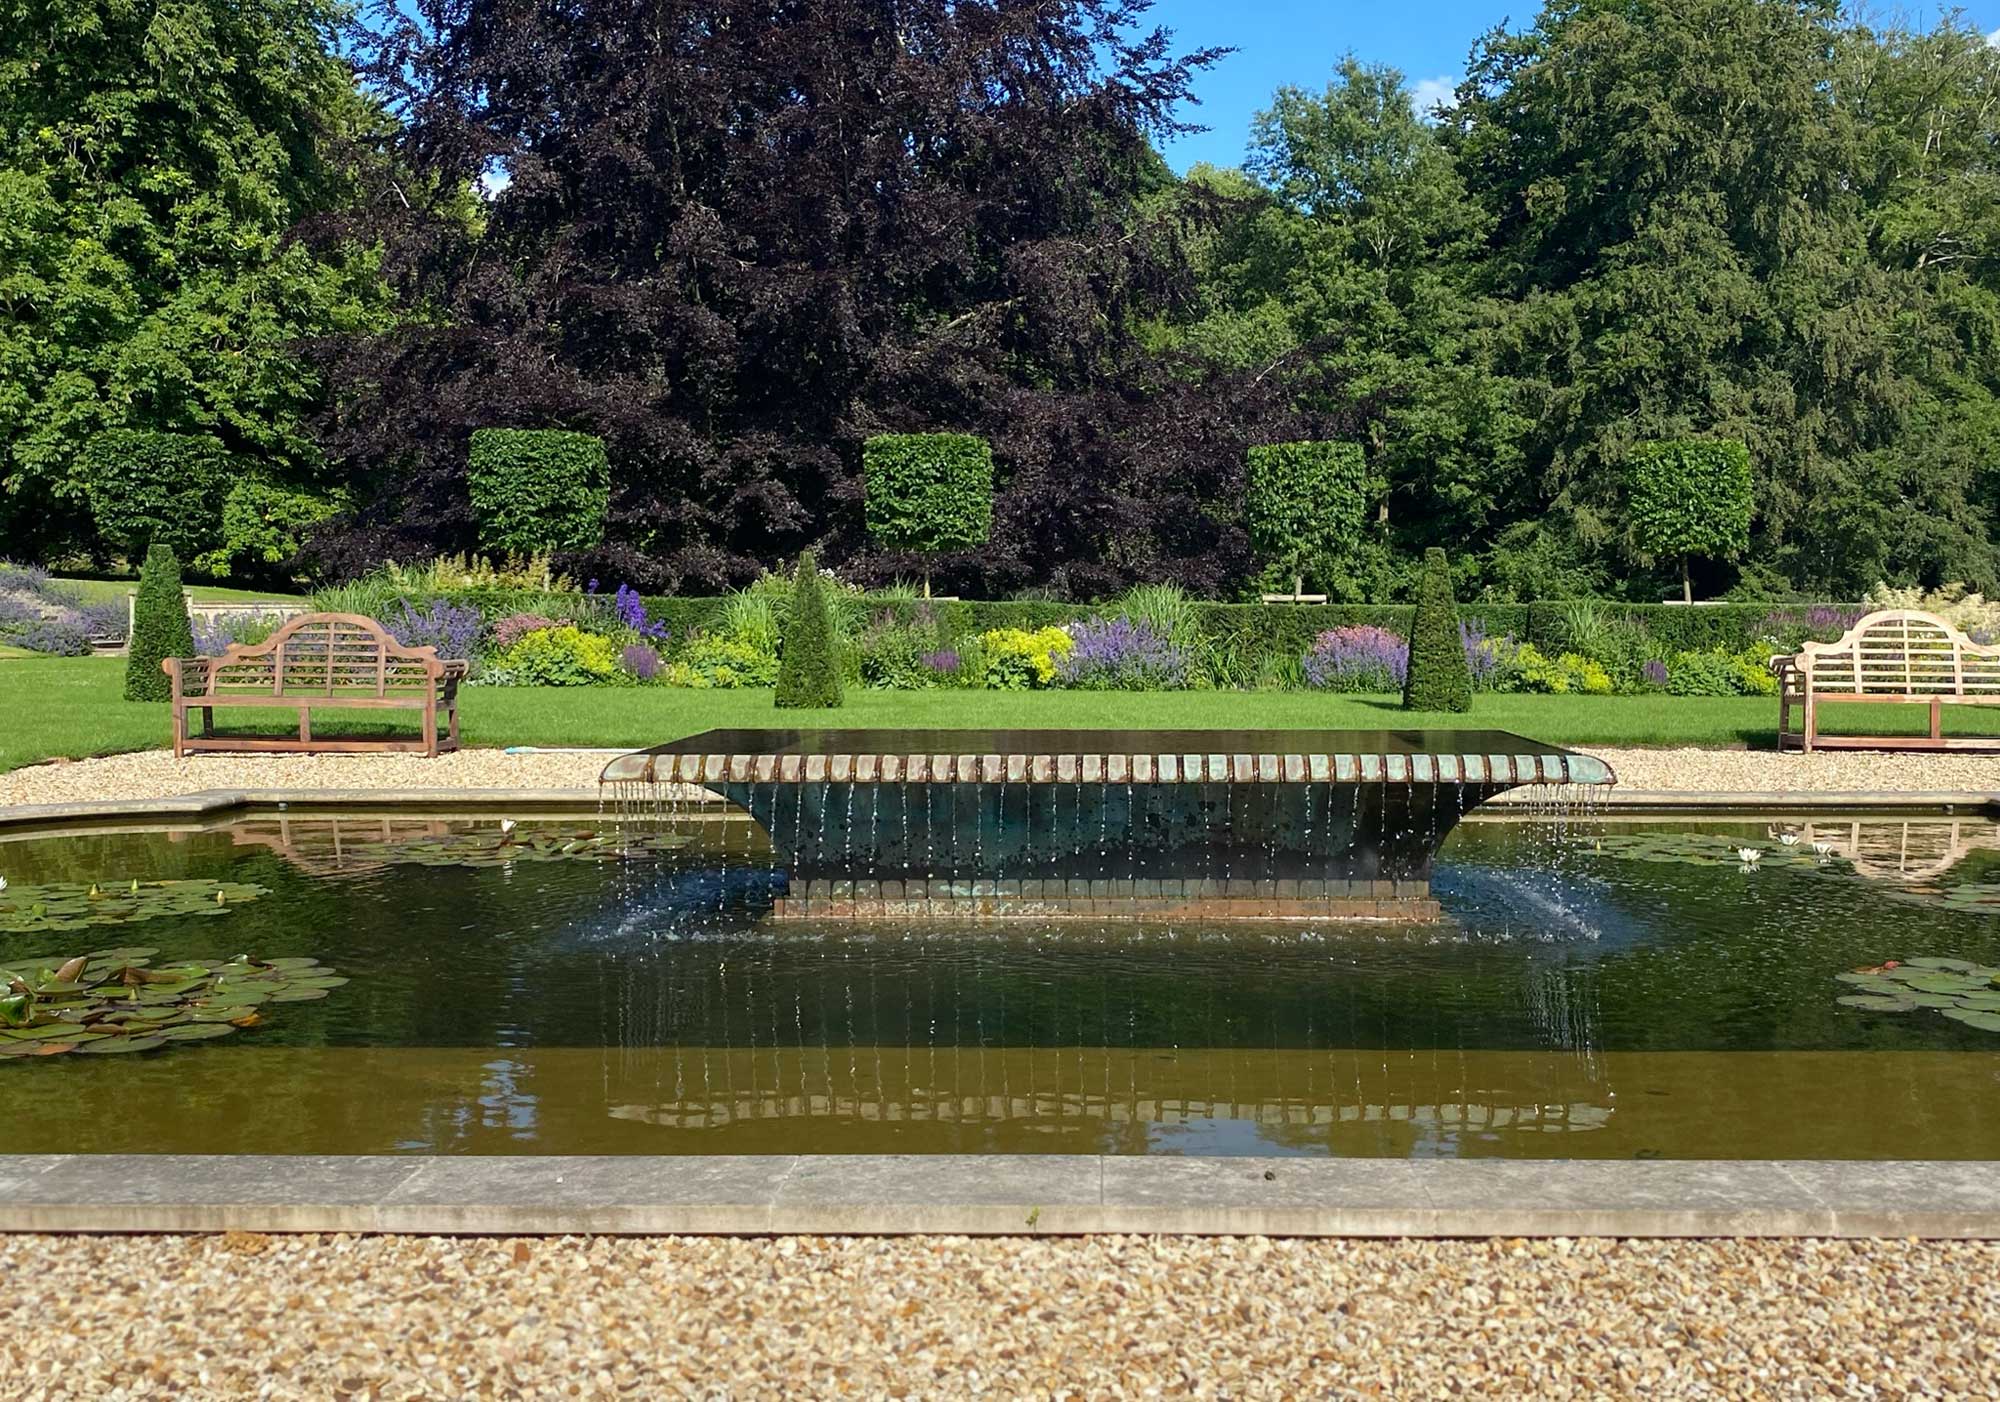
x=157, y=774
x=241, y=1315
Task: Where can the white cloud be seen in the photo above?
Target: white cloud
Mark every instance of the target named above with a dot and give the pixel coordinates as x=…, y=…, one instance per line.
x=1994, y=38
x=1427, y=93
x=494, y=180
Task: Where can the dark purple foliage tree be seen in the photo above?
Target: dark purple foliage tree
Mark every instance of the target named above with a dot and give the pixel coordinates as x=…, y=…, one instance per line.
x=736, y=238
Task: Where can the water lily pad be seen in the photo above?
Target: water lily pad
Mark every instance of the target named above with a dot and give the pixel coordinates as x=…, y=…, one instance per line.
x=490, y=847
x=113, y=1004
x=1960, y=990
x=29, y=909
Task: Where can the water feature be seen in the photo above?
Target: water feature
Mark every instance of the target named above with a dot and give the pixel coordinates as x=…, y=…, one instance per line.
x=1635, y=990
x=1163, y=825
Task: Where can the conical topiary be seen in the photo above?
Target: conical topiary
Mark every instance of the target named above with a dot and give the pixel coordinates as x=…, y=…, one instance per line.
x=1439, y=678
x=160, y=627
x=809, y=671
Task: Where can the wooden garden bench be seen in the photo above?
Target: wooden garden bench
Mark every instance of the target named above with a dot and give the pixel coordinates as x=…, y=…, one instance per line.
x=1897, y=657
x=318, y=662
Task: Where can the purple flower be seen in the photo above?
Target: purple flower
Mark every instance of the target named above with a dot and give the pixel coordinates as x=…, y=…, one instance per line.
x=1359, y=658
x=1484, y=656
x=944, y=662
x=59, y=637
x=641, y=661
x=631, y=610
x=1655, y=673
x=451, y=629
x=1118, y=654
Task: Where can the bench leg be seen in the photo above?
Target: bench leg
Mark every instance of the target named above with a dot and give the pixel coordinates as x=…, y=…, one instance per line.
x=1812, y=723
x=180, y=726
x=430, y=731
x=1937, y=718
x=305, y=726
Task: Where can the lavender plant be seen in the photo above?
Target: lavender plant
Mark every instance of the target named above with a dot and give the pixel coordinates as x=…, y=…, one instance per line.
x=450, y=628
x=1120, y=654
x=1361, y=657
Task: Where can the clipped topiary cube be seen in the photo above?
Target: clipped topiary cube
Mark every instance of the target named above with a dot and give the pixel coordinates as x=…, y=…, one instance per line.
x=1690, y=496
x=538, y=490
x=147, y=487
x=809, y=671
x=160, y=627
x=1304, y=503
x=1439, y=678
x=928, y=491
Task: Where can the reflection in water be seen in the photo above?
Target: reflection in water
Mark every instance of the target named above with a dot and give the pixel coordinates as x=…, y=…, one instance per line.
x=1575, y=1004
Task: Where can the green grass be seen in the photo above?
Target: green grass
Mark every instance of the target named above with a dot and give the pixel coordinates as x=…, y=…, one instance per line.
x=97, y=590
x=73, y=707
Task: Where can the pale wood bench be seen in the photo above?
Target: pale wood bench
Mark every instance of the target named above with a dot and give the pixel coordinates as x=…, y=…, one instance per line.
x=1898, y=657
x=318, y=661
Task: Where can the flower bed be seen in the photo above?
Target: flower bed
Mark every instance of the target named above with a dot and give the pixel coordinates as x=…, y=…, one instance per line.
x=526, y=626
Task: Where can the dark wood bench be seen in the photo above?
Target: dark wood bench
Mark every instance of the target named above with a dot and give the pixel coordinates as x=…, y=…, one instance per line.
x=1898, y=657
x=318, y=662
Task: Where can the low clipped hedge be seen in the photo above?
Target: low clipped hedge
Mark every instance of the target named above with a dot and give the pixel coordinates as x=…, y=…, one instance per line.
x=1241, y=638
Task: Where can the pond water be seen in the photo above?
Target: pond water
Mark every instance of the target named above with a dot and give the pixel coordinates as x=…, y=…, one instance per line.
x=1617, y=990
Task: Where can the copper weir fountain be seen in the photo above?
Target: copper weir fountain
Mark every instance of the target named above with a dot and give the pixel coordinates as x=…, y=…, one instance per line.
x=973, y=824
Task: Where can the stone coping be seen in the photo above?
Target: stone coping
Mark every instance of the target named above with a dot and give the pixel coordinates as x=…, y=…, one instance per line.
x=653, y=767
x=1003, y=1195
x=214, y=803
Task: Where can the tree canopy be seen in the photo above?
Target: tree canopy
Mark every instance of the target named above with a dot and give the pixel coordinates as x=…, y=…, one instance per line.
x=155, y=161
x=737, y=240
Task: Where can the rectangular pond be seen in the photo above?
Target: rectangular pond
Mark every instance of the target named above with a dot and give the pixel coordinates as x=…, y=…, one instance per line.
x=1595, y=989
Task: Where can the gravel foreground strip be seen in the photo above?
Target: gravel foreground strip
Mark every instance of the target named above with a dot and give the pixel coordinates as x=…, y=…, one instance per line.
x=157, y=774
x=387, y=1317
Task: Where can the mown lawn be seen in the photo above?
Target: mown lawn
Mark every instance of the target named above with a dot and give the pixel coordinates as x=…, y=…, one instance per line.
x=73, y=707
x=95, y=590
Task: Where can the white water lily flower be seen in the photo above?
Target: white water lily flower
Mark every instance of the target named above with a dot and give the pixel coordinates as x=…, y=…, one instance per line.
x=3, y=883
x=1790, y=839
x=1823, y=849
x=1750, y=855
x=507, y=825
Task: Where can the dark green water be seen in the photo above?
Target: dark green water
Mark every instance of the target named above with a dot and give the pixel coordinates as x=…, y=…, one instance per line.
x=1574, y=1004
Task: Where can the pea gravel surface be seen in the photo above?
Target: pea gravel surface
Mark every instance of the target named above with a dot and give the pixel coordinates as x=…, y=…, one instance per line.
x=383, y=1317
x=157, y=774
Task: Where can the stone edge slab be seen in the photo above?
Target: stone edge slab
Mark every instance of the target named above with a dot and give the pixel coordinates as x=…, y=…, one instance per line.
x=997, y=1195
x=217, y=802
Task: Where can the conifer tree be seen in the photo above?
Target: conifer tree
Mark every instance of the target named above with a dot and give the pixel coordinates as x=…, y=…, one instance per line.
x=1439, y=678
x=160, y=627
x=809, y=671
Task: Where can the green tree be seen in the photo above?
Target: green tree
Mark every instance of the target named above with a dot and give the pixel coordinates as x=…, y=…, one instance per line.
x=1439, y=678
x=1305, y=503
x=160, y=627
x=1690, y=497
x=928, y=492
x=809, y=671
x=154, y=162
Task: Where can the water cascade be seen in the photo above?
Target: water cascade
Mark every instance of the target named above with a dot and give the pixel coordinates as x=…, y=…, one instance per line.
x=1251, y=825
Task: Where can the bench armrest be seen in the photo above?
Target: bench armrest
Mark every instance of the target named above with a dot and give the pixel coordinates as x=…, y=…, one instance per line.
x=190, y=674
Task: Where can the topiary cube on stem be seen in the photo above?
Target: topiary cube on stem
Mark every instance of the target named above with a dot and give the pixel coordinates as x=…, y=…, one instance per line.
x=160, y=627
x=809, y=671
x=1439, y=678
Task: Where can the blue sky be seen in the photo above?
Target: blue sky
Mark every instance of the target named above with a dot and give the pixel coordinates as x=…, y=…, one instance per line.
x=1299, y=41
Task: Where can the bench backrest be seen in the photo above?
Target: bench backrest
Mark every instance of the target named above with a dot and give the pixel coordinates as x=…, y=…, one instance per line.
x=326, y=654
x=1900, y=652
